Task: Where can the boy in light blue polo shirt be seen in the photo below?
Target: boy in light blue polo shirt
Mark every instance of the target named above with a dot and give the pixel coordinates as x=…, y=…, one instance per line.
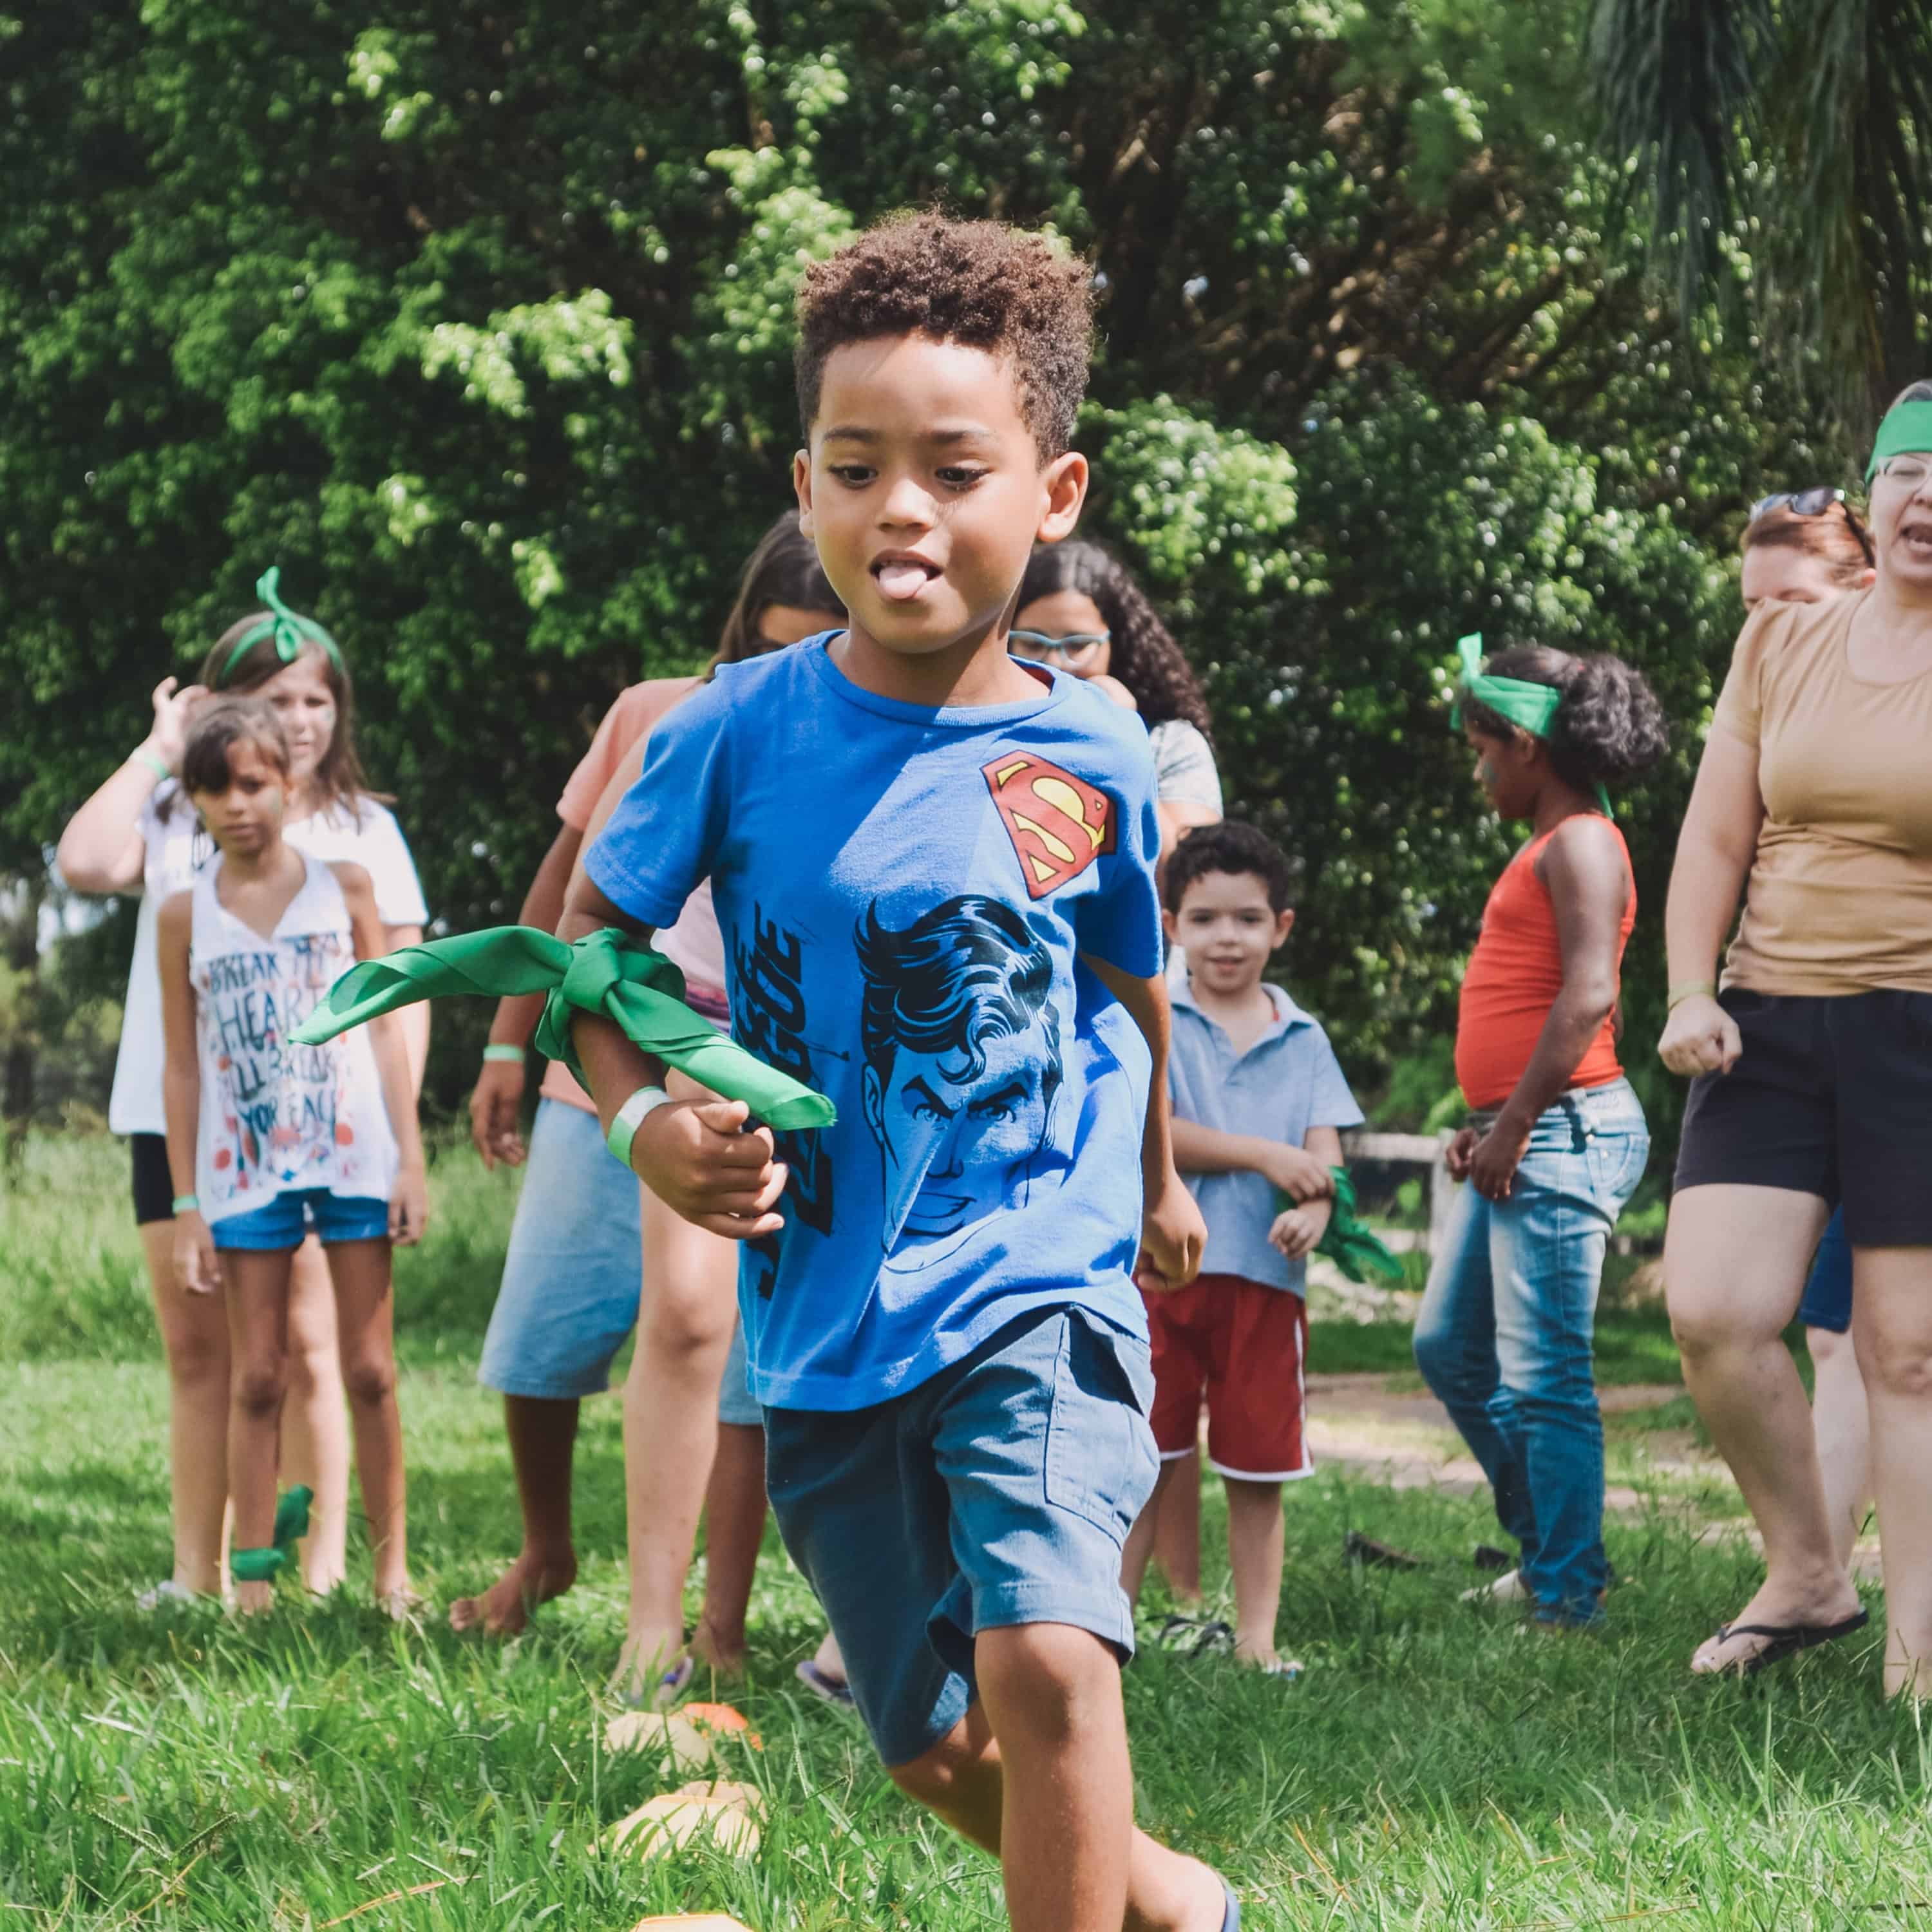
x=1258, y=1105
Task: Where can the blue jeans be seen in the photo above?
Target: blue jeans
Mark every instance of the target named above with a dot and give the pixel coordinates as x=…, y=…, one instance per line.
x=1503, y=1338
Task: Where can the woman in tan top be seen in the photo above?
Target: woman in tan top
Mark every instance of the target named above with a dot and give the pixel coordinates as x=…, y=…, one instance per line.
x=1813, y=1066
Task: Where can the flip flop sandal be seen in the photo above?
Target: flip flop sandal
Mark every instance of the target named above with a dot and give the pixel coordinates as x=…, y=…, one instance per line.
x=1487, y=1556
x=1232, y=1921
x=1786, y=1640
x=1361, y=1548
x=1217, y=1639
x=1178, y=1632
x=822, y=1684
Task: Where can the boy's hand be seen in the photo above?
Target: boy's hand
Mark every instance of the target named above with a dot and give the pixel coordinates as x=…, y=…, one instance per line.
x=1297, y=1232
x=409, y=1205
x=696, y=1158
x=196, y=1266
x=1172, y=1236
x=1299, y=1173
x=1456, y=1156
x=492, y=1113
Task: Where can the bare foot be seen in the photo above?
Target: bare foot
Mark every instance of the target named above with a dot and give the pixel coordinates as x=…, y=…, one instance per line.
x=399, y=1604
x=1830, y=1601
x=252, y=1599
x=653, y=1669
x=724, y=1655
x=505, y=1608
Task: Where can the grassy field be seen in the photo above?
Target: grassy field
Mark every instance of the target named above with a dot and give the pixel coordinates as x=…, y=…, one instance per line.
x=319, y=1767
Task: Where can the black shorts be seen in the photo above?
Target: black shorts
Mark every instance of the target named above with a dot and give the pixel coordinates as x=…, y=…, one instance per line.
x=153, y=1186
x=1830, y=1096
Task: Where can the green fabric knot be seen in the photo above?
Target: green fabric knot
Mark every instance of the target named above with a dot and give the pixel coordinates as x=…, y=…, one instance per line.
x=264, y=1565
x=604, y=973
x=1349, y=1241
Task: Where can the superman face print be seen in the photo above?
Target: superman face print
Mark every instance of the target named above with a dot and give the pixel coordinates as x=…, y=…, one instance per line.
x=963, y=1063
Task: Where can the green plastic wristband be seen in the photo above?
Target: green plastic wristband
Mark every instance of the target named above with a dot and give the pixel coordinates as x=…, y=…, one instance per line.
x=186, y=1204
x=154, y=762
x=630, y=1117
x=502, y=1050
x=1695, y=989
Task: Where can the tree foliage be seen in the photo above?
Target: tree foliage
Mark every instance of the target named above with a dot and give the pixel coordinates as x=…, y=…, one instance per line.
x=476, y=320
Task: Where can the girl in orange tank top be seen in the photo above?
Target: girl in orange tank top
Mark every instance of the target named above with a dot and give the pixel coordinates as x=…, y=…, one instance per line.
x=1503, y=1335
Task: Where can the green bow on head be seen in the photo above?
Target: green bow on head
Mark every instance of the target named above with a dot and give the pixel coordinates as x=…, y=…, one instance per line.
x=290, y=630
x=604, y=973
x=1906, y=431
x=1528, y=707
x=1349, y=1241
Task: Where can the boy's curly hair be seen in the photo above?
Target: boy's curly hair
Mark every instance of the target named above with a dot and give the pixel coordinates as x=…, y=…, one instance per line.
x=1232, y=846
x=983, y=283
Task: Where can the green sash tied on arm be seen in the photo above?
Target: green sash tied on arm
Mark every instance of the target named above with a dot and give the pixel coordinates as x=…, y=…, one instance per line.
x=1528, y=707
x=1349, y=1242
x=605, y=973
x=1906, y=431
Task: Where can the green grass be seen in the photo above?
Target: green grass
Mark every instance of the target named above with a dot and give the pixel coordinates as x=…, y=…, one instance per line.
x=1434, y=1769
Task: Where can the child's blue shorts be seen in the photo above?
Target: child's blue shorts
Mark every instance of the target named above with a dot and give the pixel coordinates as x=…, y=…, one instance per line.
x=574, y=1271
x=1828, y=1294
x=282, y=1224
x=999, y=1492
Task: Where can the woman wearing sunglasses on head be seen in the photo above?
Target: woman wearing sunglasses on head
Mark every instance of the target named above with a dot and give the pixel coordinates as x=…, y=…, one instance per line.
x=1813, y=1066
x=1081, y=612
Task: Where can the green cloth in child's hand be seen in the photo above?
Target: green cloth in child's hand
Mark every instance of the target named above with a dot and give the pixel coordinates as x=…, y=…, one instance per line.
x=604, y=973
x=1349, y=1241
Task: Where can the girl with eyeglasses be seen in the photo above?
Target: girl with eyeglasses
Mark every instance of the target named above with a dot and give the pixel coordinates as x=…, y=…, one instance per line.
x=1812, y=1066
x=136, y=835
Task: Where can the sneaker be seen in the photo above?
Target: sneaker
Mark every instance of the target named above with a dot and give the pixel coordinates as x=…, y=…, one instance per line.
x=1509, y=1588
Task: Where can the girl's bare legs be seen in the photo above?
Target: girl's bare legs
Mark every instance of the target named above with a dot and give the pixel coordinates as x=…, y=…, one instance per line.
x=194, y=1338
x=1891, y=1317
x=734, y=1527
x=256, y=1288
x=1843, y=1422
x=1734, y=1261
x=315, y=1420
x=365, y=1321
x=684, y=1322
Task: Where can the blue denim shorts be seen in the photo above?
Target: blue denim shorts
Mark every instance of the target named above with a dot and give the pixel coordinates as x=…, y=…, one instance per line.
x=283, y=1224
x=1828, y=1294
x=736, y=1404
x=1000, y=1493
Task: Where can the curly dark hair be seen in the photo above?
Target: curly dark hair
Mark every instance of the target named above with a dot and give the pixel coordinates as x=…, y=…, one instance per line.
x=1231, y=846
x=1144, y=658
x=1609, y=727
x=983, y=283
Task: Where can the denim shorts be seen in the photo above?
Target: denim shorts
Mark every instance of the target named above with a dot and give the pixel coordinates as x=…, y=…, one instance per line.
x=1000, y=1493
x=1828, y=1294
x=574, y=1272
x=284, y=1223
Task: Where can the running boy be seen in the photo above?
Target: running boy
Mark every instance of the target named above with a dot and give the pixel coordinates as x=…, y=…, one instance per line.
x=1258, y=1105
x=933, y=867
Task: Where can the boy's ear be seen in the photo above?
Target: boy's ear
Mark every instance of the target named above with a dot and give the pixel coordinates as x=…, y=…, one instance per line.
x=1065, y=478
x=1284, y=924
x=801, y=483
x=1171, y=926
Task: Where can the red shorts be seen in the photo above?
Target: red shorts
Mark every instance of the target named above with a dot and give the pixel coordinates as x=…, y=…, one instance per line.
x=1243, y=1346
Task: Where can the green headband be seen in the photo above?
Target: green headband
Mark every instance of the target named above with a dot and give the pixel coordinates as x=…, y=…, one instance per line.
x=1528, y=707
x=290, y=631
x=1906, y=431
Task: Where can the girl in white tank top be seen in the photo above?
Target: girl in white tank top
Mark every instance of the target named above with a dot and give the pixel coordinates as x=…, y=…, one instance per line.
x=267, y=1139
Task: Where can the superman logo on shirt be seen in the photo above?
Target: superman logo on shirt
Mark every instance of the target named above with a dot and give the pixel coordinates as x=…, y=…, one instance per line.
x=1059, y=824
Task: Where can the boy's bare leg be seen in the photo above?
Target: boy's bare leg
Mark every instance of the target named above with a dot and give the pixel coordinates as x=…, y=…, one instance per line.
x=1177, y=1542
x=194, y=1338
x=685, y=1322
x=256, y=1288
x=734, y=1527
x=1256, y=1541
x=365, y=1320
x=542, y=1433
x=1053, y=1796
x=1147, y=1530
x=315, y=1419
x=1842, y=1419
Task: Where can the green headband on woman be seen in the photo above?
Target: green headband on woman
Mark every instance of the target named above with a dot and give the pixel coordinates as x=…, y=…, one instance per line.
x=1528, y=707
x=1906, y=431
x=290, y=631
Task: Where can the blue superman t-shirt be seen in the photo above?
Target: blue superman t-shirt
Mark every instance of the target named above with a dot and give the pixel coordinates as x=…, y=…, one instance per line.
x=902, y=892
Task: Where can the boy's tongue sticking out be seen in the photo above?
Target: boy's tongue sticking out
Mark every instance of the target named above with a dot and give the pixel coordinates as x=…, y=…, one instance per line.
x=903, y=578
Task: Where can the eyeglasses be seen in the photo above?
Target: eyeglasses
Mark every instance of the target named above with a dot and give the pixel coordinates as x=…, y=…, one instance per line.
x=1909, y=470
x=1822, y=499
x=1036, y=644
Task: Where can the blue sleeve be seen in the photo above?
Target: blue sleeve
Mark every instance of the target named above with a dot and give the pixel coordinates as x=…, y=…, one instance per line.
x=662, y=839
x=1119, y=924
x=1330, y=1104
